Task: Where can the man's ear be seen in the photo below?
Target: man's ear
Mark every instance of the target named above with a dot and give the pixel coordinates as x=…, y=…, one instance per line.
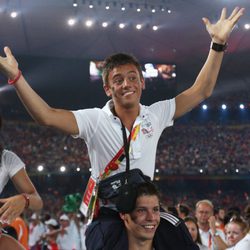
x=122, y=216
x=107, y=89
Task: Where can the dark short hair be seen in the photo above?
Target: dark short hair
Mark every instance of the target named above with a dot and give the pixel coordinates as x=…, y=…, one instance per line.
x=147, y=188
x=117, y=60
x=184, y=209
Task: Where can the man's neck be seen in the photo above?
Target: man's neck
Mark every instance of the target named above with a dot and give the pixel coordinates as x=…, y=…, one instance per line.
x=127, y=116
x=140, y=245
x=204, y=227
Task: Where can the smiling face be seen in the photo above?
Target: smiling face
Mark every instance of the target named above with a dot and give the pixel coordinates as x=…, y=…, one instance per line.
x=125, y=86
x=143, y=221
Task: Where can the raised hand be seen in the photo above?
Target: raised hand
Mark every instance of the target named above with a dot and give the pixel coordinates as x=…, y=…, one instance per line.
x=220, y=31
x=12, y=207
x=8, y=64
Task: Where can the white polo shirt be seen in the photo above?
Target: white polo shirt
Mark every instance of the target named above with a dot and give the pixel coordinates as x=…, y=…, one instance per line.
x=102, y=133
x=10, y=164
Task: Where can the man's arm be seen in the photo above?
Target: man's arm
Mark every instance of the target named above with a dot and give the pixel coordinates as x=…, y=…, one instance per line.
x=40, y=111
x=206, y=80
x=13, y=206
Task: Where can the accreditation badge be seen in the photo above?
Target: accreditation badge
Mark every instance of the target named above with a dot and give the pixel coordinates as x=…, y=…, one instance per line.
x=89, y=199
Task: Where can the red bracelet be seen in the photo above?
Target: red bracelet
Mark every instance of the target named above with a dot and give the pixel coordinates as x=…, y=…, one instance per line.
x=27, y=200
x=11, y=82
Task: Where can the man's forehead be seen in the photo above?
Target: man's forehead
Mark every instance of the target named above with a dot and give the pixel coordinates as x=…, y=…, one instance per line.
x=147, y=201
x=204, y=207
x=123, y=69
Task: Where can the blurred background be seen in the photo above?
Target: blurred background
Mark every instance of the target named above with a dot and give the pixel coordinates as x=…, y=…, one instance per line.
x=60, y=46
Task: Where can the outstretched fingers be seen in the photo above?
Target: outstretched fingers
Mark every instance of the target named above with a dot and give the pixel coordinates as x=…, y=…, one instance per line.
x=206, y=21
x=236, y=14
x=223, y=14
x=7, y=51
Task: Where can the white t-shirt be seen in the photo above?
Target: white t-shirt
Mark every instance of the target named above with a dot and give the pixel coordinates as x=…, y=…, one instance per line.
x=10, y=164
x=66, y=241
x=206, y=237
x=102, y=133
x=243, y=244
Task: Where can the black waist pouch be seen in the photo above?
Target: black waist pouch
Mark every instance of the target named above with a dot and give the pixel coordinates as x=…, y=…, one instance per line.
x=110, y=187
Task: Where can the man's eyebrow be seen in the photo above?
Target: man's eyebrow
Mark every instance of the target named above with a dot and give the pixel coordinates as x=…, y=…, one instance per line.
x=119, y=74
x=157, y=206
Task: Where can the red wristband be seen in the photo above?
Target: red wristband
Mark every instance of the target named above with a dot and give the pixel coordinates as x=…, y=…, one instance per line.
x=27, y=200
x=11, y=82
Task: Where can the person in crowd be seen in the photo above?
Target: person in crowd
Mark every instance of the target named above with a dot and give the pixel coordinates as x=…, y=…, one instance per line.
x=243, y=244
x=36, y=230
x=101, y=128
x=65, y=238
x=235, y=230
x=183, y=210
x=219, y=214
x=142, y=223
x=193, y=229
x=12, y=167
x=49, y=237
x=211, y=237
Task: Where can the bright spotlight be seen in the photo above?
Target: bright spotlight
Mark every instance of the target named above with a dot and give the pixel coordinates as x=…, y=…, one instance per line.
x=247, y=26
x=40, y=168
x=13, y=14
x=138, y=26
x=62, y=169
x=71, y=22
x=173, y=74
x=121, y=25
x=104, y=24
x=78, y=169
x=75, y=3
x=242, y=106
x=204, y=107
x=89, y=23
x=155, y=28
x=224, y=106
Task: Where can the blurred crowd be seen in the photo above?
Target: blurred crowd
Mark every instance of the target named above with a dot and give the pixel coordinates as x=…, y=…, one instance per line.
x=59, y=227
x=183, y=149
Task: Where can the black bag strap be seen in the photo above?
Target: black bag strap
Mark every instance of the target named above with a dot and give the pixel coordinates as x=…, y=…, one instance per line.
x=126, y=148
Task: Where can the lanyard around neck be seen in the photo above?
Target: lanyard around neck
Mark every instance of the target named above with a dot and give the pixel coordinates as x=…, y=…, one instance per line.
x=126, y=146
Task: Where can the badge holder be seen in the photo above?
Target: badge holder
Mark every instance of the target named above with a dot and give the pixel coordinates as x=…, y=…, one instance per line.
x=89, y=199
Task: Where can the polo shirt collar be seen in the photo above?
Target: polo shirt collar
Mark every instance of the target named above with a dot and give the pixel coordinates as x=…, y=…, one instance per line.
x=109, y=105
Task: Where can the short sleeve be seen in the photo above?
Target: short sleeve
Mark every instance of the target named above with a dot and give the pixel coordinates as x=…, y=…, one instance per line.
x=12, y=163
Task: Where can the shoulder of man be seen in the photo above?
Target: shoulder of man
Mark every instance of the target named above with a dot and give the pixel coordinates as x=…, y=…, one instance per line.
x=175, y=221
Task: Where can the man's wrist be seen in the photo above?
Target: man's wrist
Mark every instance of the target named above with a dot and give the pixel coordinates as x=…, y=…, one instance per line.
x=218, y=47
x=27, y=200
x=216, y=233
x=14, y=79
